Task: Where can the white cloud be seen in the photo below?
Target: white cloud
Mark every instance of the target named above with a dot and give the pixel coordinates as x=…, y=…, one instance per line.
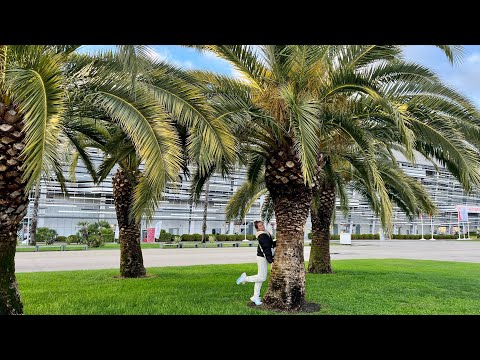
x=166, y=55
x=474, y=58
x=187, y=64
x=463, y=77
x=159, y=55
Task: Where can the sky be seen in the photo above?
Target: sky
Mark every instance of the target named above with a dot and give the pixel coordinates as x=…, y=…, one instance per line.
x=463, y=76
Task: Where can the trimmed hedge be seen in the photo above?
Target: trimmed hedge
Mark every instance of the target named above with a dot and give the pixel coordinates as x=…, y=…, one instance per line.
x=72, y=239
x=216, y=237
x=188, y=237
x=61, y=238
x=165, y=236
x=396, y=236
x=197, y=237
x=426, y=236
x=221, y=237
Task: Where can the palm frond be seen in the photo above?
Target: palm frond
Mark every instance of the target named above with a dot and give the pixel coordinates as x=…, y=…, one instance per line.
x=38, y=89
x=243, y=198
x=243, y=58
x=267, y=211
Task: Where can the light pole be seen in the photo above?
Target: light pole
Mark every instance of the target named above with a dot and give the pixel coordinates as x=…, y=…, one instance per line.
x=431, y=226
x=421, y=218
x=245, y=227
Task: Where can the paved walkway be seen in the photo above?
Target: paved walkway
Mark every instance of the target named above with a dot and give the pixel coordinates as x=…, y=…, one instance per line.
x=468, y=251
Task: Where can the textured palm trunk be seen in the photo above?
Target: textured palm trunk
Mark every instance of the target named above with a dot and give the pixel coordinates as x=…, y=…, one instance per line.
x=13, y=205
x=131, y=258
x=319, y=262
x=291, y=198
x=33, y=227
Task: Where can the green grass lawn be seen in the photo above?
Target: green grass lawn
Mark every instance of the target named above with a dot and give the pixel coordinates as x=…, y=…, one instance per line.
x=390, y=286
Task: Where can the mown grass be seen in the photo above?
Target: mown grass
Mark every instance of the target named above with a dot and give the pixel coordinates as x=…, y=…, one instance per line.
x=393, y=286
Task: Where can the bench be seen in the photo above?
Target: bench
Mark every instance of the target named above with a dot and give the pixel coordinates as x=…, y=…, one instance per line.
x=62, y=247
x=177, y=245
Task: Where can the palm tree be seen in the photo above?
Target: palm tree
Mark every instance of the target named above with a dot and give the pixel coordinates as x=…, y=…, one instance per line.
x=277, y=113
x=404, y=191
x=32, y=98
x=151, y=144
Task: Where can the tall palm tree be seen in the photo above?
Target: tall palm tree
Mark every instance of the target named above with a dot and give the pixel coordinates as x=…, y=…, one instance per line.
x=404, y=191
x=32, y=98
x=278, y=112
x=163, y=123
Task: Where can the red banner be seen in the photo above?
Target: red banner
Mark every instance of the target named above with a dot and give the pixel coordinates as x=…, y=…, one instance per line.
x=150, y=235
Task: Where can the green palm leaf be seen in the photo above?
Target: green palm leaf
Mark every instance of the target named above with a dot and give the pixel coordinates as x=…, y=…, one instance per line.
x=38, y=89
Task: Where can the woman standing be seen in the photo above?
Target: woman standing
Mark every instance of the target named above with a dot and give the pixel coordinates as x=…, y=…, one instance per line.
x=265, y=254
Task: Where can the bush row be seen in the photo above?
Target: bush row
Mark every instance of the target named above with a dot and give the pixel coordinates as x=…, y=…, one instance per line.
x=165, y=236
x=426, y=236
x=354, y=236
x=395, y=236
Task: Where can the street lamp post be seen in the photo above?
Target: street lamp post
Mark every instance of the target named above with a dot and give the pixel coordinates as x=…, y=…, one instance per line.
x=245, y=227
x=421, y=218
x=431, y=226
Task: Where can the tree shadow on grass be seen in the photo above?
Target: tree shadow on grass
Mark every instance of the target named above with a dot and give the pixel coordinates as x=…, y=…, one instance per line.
x=307, y=307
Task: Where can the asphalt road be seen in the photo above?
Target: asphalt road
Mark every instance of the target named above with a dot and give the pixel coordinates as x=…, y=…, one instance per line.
x=452, y=250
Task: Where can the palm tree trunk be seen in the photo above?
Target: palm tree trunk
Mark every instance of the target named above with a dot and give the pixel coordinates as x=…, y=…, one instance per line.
x=131, y=258
x=291, y=198
x=10, y=302
x=205, y=209
x=13, y=205
x=33, y=228
x=319, y=262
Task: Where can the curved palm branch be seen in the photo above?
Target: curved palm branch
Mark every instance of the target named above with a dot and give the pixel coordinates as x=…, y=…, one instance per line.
x=34, y=80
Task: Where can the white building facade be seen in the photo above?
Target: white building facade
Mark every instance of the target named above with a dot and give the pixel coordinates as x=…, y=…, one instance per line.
x=177, y=215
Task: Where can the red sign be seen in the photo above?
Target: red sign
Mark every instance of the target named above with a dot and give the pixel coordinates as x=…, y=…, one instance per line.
x=150, y=235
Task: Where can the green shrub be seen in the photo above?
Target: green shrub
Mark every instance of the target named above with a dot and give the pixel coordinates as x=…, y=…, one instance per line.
x=107, y=235
x=309, y=235
x=72, y=239
x=197, y=237
x=335, y=237
x=95, y=241
x=45, y=235
x=176, y=238
x=250, y=237
x=221, y=237
x=61, y=238
x=165, y=236
x=188, y=237
x=212, y=238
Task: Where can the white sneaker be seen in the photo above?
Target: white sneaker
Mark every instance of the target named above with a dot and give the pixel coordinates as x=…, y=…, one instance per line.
x=241, y=279
x=256, y=301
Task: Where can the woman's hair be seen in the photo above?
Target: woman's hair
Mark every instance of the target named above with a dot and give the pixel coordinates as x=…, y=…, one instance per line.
x=256, y=223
